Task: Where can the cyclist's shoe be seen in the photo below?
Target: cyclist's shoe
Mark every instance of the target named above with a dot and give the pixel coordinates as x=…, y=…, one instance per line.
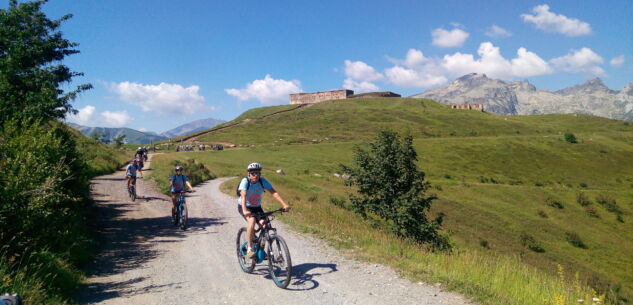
x=250, y=253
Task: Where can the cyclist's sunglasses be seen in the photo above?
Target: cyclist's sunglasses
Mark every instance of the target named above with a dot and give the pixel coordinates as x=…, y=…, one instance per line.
x=255, y=173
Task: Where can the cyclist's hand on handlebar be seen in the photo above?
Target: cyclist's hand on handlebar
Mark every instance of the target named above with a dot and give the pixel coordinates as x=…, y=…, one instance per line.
x=286, y=208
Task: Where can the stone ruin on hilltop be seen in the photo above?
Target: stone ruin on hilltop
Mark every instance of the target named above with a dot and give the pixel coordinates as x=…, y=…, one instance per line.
x=317, y=97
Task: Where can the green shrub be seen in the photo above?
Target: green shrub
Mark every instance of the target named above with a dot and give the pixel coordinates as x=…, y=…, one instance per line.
x=619, y=218
x=541, y=213
x=608, y=203
x=339, y=202
x=571, y=138
x=583, y=185
x=391, y=187
x=554, y=203
x=574, y=240
x=592, y=212
x=530, y=242
x=313, y=198
x=583, y=200
x=484, y=244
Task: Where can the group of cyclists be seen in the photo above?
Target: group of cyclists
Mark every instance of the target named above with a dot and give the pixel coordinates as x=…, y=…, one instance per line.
x=250, y=190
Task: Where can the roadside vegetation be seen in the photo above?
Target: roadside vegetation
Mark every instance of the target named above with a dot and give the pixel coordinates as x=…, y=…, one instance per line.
x=507, y=189
x=45, y=165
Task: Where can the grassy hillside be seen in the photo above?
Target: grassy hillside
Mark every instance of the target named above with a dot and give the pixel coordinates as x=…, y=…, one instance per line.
x=501, y=180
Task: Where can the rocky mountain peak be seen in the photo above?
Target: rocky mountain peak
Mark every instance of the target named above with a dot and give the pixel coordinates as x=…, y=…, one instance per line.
x=474, y=80
x=589, y=86
x=628, y=89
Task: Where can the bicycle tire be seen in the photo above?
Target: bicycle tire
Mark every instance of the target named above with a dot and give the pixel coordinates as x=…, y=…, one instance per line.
x=133, y=193
x=279, y=262
x=174, y=217
x=241, y=243
x=184, y=216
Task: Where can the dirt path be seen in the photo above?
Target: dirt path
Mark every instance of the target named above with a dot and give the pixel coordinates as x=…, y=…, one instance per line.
x=144, y=260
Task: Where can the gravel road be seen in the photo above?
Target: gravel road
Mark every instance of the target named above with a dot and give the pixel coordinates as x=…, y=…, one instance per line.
x=145, y=260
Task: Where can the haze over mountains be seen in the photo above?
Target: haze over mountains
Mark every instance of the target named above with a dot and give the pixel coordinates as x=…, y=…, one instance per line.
x=197, y=125
x=133, y=136
x=521, y=97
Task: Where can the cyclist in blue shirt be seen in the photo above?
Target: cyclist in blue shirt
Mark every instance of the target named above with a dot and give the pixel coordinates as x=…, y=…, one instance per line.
x=130, y=172
x=177, y=184
x=251, y=190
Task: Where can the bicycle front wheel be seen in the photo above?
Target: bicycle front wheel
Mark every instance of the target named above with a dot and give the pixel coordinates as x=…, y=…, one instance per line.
x=279, y=263
x=184, y=216
x=133, y=193
x=241, y=244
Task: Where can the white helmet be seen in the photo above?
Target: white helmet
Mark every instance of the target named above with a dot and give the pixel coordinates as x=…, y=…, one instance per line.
x=254, y=167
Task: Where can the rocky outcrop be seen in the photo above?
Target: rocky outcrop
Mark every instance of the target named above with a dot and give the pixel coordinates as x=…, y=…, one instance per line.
x=521, y=97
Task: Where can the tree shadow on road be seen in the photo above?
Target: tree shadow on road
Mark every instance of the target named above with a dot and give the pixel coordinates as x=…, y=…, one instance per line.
x=126, y=244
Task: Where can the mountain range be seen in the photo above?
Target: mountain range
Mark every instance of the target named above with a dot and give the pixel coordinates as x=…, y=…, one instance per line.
x=522, y=98
x=197, y=125
x=133, y=136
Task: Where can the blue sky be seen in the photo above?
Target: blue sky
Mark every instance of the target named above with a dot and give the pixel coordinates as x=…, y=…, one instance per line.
x=158, y=64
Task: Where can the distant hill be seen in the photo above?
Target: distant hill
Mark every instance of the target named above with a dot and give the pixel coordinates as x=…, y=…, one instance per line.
x=131, y=136
x=591, y=97
x=197, y=125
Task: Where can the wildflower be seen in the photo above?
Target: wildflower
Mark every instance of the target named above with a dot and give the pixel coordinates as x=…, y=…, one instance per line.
x=597, y=300
x=580, y=300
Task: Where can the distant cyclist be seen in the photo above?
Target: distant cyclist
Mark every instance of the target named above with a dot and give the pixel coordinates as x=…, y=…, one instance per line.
x=251, y=190
x=131, y=172
x=177, y=184
x=139, y=152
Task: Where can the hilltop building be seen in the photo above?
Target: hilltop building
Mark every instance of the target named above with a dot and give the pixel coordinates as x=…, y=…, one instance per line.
x=376, y=94
x=316, y=97
x=478, y=107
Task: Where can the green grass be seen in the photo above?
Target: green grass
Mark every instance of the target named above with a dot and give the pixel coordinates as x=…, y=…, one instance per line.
x=492, y=173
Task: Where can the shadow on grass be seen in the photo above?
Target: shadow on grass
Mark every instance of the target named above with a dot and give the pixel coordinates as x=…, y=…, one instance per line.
x=127, y=244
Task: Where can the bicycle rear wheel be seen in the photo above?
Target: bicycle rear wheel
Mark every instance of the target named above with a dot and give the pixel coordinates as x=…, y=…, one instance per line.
x=241, y=244
x=184, y=216
x=279, y=262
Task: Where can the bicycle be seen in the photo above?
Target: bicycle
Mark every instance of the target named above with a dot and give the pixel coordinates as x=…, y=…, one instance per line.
x=131, y=190
x=180, y=216
x=268, y=246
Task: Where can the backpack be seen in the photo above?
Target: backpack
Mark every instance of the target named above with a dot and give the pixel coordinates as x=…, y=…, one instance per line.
x=248, y=185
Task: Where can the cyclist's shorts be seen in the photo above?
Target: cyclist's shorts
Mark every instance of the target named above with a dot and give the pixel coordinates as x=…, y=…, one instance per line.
x=133, y=178
x=253, y=210
x=177, y=192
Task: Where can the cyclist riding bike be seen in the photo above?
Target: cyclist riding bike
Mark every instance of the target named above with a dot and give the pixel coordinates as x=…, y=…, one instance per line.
x=131, y=171
x=177, y=184
x=251, y=190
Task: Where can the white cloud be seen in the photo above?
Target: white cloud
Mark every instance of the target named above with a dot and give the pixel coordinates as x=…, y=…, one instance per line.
x=497, y=31
x=404, y=77
x=165, y=99
x=84, y=116
x=267, y=90
x=115, y=118
x=359, y=86
x=492, y=63
x=361, y=71
x=550, y=22
x=446, y=39
x=528, y=64
x=583, y=60
x=419, y=71
x=617, y=61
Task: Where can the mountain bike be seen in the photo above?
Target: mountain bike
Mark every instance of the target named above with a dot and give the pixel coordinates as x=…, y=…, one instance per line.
x=131, y=190
x=180, y=216
x=268, y=246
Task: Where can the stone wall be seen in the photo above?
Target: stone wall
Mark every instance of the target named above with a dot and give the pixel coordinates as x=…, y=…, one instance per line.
x=478, y=107
x=315, y=97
